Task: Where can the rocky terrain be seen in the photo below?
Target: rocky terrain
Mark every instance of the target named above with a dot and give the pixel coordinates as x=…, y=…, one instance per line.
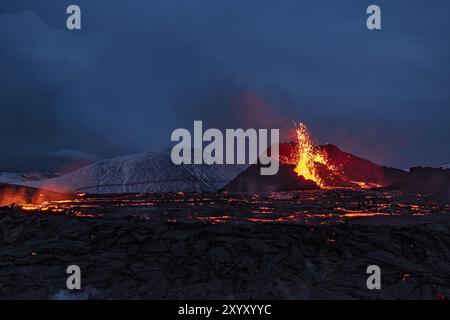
x=286, y=179
x=226, y=251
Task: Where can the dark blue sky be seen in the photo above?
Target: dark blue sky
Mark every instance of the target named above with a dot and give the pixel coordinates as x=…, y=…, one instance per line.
x=139, y=69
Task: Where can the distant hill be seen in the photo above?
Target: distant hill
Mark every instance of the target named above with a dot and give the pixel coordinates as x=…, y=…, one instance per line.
x=12, y=177
x=443, y=166
x=425, y=180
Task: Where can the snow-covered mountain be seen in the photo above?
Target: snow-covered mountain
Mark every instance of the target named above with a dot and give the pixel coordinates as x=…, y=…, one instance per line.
x=141, y=173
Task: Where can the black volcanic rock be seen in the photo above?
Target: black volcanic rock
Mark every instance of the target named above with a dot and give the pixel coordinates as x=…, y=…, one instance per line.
x=286, y=179
x=124, y=257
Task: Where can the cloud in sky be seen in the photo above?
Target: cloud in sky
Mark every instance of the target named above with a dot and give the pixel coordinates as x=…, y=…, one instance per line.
x=138, y=70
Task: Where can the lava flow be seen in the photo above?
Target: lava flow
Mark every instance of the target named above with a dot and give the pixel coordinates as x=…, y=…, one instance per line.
x=314, y=206
x=30, y=199
x=308, y=156
x=328, y=166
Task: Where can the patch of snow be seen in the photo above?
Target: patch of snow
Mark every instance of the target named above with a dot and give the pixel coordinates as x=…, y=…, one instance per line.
x=149, y=172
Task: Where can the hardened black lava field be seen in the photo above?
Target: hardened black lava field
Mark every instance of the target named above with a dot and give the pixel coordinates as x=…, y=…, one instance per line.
x=286, y=245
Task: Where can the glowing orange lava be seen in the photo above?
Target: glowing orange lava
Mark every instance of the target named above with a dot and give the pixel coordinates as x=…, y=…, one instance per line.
x=308, y=156
x=13, y=196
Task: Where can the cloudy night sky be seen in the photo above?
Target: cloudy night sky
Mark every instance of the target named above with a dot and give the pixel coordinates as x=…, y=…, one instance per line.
x=140, y=69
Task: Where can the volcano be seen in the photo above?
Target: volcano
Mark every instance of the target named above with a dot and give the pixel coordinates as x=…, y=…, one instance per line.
x=304, y=166
x=344, y=170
